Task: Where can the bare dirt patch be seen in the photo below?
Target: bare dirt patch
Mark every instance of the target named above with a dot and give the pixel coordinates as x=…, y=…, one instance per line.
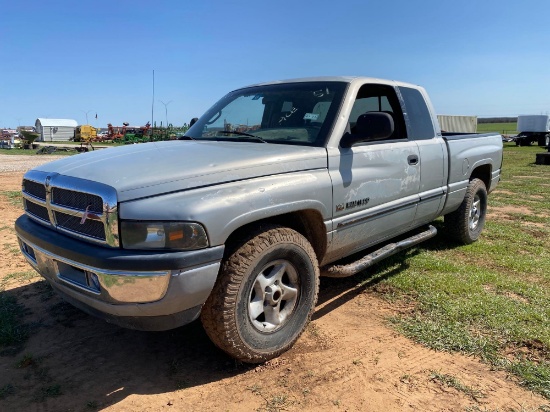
x=503, y=192
x=513, y=209
x=348, y=359
x=11, y=181
x=511, y=213
x=509, y=295
x=508, y=212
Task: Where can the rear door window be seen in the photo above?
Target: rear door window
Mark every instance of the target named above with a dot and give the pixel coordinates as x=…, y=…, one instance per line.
x=420, y=126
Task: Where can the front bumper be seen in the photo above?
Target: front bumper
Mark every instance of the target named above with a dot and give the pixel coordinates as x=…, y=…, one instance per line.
x=147, y=290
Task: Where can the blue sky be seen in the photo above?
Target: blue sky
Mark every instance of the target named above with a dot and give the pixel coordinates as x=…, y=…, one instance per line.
x=64, y=59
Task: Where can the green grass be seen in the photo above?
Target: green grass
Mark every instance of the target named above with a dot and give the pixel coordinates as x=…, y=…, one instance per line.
x=502, y=128
x=26, y=361
x=453, y=382
x=20, y=276
x=13, y=196
x=17, y=152
x=13, y=331
x=45, y=392
x=32, y=152
x=6, y=391
x=490, y=299
x=61, y=151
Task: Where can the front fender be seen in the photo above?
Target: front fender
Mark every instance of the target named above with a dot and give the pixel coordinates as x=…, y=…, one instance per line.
x=224, y=208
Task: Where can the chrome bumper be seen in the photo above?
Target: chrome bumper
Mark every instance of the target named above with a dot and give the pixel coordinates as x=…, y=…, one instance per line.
x=111, y=286
x=135, y=289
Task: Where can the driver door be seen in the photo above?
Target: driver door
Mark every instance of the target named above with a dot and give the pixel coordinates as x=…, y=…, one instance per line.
x=375, y=184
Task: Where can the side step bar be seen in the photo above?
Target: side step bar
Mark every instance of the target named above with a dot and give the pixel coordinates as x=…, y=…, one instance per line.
x=343, y=271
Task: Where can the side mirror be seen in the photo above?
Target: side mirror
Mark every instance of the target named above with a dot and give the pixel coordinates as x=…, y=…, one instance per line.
x=193, y=121
x=369, y=127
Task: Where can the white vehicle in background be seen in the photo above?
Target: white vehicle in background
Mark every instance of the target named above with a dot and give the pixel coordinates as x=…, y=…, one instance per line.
x=533, y=128
x=102, y=134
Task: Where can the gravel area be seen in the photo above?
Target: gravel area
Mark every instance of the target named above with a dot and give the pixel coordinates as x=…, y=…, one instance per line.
x=22, y=163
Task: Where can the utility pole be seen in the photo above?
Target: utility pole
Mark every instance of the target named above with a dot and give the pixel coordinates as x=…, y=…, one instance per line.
x=86, y=114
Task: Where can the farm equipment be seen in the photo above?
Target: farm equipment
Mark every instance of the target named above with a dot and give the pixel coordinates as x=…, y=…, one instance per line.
x=141, y=134
x=28, y=138
x=115, y=133
x=10, y=139
x=129, y=134
x=85, y=133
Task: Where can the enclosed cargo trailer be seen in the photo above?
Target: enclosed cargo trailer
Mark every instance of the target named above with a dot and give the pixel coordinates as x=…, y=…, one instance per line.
x=533, y=128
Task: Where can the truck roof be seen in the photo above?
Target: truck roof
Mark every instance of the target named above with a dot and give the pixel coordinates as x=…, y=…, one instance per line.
x=344, y=79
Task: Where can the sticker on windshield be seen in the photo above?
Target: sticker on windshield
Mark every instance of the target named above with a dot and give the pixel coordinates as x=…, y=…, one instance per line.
x=257, y=97
x=311, y=116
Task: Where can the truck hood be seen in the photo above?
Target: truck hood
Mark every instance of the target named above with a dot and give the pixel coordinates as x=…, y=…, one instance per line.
x=150, y=169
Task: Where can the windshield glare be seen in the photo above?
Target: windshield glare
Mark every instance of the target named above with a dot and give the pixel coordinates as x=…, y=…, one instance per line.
x=290, y=113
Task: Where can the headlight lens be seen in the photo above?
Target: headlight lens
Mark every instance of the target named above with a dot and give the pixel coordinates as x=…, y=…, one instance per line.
x=163, y=235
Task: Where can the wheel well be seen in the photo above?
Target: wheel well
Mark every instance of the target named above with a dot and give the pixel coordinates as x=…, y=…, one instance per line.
x=483, y=173
x=309, y=223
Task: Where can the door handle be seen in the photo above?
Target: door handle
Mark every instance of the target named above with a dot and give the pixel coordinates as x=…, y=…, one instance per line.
x=412, y=159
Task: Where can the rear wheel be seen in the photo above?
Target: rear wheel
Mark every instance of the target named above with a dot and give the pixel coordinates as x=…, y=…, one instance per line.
x=466, y=223
x=264, y=297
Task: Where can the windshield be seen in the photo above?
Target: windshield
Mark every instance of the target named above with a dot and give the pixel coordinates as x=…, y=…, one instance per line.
x=289, y=113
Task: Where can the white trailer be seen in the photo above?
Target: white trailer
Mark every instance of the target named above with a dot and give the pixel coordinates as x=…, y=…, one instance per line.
x=533, y=128
x=457, y=124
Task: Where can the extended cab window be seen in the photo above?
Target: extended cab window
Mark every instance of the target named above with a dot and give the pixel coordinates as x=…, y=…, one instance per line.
x=420, y=120
x=379, y=98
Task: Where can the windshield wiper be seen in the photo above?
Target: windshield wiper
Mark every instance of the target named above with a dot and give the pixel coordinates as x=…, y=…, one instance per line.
x=185, y=138
x=242, y=134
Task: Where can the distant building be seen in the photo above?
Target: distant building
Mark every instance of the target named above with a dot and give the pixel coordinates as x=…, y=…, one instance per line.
x=55, y=130
x=26, y=128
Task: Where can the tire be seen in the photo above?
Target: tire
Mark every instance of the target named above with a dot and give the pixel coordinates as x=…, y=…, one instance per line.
x=264, y=296
x=466, y=223
x=542, y=140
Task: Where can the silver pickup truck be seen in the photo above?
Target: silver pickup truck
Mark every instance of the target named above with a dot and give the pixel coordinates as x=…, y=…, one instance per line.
x=267, y=191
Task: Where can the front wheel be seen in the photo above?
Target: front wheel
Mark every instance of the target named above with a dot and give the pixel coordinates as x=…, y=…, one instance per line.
x=264, y=296
x=466, y=223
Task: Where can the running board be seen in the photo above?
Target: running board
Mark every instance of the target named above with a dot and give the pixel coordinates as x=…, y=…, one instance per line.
x=343, y=271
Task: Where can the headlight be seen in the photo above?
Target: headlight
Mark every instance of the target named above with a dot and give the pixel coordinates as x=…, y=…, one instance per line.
x=163, y=235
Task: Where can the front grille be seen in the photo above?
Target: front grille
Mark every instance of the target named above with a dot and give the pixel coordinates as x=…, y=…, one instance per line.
x=34, y=189
x=63, y=202
x=37, y=210
x=92, y=228
x=77, y=200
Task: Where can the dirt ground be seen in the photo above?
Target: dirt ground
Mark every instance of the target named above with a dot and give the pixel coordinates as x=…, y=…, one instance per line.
x=347, y=360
